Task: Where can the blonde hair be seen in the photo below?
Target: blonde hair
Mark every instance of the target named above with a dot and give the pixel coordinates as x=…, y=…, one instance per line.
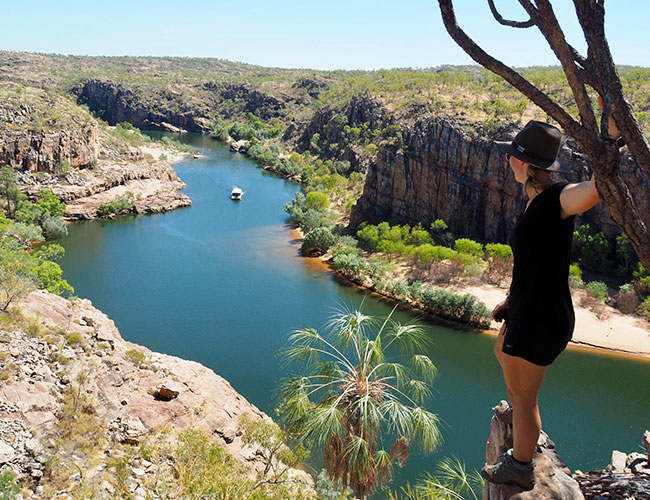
x=539, y=179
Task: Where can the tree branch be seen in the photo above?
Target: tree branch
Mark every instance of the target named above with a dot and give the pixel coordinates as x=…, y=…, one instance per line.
x=506, y=22
x=515, y=79
x=550, y=27
x=591, y=16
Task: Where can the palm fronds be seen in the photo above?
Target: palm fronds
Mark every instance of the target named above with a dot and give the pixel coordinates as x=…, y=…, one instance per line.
x=349, y=393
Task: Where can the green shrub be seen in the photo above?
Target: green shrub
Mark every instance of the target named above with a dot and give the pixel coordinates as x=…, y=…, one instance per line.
x=498, y=251
x=121, y=205
x=598, y=289
x=467, y=246
x=219, y=130
x=55, y=227
x=351, y=263
x=644, y=308
x=74, y=338
x=319, y=240
x=137, y=357
x=463, y=308
x=317, y=200
x=8, y=489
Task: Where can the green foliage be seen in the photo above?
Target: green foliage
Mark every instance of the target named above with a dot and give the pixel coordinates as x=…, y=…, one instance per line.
x=644, y=308
x=8, y=488
x=624, y=252
x=350, y=395
x=593, y=247
x=136, y=356
x=438, y=225
x=306, y=218
x=130, y=134
x=319, y=240
x=464, y=308
x=50, y=277
x=254, y=128
x=427, y=254
x=55, y=227
x=122, y=204
x=451, y=482
x=219, y=130
x=21, y=272
x=598, y=289
x=467, y=246
x=575, y=271
x=498, y=250
x=400, y=240
x=317, y=201
x=575, y=275
x=27, y=232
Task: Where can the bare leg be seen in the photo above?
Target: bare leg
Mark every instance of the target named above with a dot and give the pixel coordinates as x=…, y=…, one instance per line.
x=523, y=381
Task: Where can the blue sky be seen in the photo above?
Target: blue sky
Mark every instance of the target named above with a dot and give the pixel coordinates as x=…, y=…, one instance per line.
x=337, y=34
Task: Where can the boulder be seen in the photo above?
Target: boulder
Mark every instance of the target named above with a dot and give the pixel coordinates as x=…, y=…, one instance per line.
x=239, y=146
x=553, y=479
x=7, y=453
x=619, y=460
x=646, y=442
x=169, y=391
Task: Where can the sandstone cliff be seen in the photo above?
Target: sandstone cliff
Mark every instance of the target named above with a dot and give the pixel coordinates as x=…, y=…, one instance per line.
x=440, y=172
x=69, y=347
x=34, y=134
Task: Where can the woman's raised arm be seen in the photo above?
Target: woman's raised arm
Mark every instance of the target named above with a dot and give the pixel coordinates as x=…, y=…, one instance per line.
x=578, y=198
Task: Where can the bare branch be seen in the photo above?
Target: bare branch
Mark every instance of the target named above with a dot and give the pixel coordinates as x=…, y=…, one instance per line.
x=550, y=28
x=506, y=22
x=515, y=79
x=591, y=16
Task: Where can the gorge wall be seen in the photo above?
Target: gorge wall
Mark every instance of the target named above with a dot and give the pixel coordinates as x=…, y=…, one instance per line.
x=39, y=151
x=427, y=168
x=440, y=172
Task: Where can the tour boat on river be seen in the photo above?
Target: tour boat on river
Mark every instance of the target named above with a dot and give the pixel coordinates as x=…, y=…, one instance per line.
x=236, y=194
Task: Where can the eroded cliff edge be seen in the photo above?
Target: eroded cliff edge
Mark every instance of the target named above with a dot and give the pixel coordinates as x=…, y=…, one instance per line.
x=69, y=347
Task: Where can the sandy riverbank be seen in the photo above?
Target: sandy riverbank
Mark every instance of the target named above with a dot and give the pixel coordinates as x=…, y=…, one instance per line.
x=616, y=332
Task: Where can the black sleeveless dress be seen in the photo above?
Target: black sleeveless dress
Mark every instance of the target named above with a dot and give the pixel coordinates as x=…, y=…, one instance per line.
x=540, y=311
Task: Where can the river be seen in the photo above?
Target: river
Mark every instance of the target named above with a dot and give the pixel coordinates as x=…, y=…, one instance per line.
x=223, y=283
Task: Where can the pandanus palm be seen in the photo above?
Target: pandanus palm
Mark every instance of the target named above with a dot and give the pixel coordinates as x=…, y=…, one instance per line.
x=350, y=396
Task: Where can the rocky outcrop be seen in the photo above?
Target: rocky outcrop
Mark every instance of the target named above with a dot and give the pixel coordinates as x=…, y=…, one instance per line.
x=190, y=108
x=43, y=151
x=329, y=124
x=158, y=109
x=553, y=479
x=627, y=476
x=263, y=105
x=438, y=171
x=153, y=186
x=133, y=391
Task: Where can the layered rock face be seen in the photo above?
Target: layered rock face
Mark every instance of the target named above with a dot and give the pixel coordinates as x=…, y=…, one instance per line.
x=440, y=172
x=42, y=152
x=327, y=123
x=187, y=108
x=133, y=398
x=155, y=188
x=117, y=104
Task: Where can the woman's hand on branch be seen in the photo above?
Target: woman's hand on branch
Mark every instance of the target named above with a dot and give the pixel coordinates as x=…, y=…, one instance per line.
x=613, y=130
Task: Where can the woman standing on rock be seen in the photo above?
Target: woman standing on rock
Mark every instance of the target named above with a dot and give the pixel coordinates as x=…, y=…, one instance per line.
x=538, y=311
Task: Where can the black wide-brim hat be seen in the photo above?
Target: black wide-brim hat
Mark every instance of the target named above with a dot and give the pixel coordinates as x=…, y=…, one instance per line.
x=537, y=144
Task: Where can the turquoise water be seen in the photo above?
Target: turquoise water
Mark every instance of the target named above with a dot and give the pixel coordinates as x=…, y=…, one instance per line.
x=222, y=283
